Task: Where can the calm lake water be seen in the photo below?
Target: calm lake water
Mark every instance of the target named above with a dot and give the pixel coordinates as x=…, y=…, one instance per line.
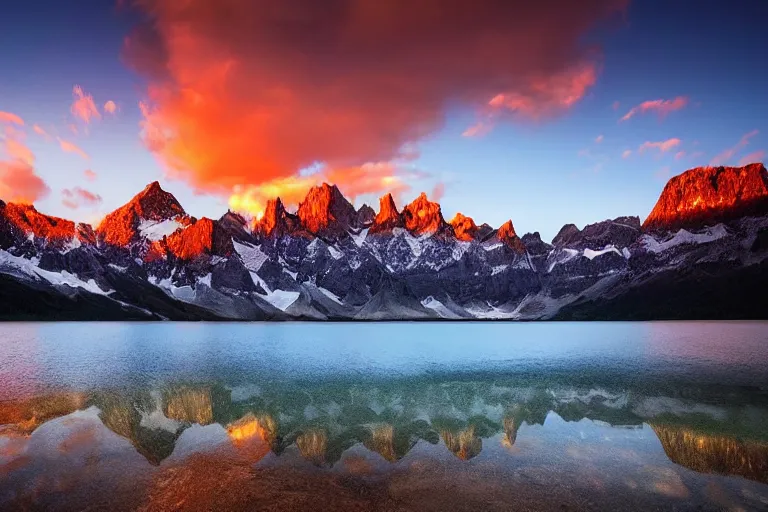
x=391, y=416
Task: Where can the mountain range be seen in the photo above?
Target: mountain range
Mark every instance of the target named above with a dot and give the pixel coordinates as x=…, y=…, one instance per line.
x=700, y=254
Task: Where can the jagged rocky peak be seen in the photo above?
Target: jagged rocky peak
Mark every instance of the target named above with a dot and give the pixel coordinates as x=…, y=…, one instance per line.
x=326, y=212
x=506, y=234
x=23, y=220
x=709, y=195
x=365, y=216
x=464, y=227
x=388, y=217
x=236, y=226
x=152, y=205
x=422, y=216
x=535, y=245
x=276, y=221
x=566, y=235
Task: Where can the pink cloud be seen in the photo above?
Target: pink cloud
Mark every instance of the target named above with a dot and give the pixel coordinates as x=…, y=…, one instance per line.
x=18, y=180
x=110, y=107
x=726, y=155
x=662, y=146
x=627, y=153
x=72, y=148
x=755, y=156
x=663, y=107
x=7, y=117
x=40, y=131
x=478, y=129
x=547, y=96
x=77, y=197
x=616, y=105
x=599, y=139
x=438, y=191
x=83, y=106
x=679, y=155
x=90, y=175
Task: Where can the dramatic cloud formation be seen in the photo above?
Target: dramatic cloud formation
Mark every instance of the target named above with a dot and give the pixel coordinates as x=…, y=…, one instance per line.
x=90, y=175
x=7, y=117
x=370, y=178
x=244, y=93
x=76, y=197
x=69, y=147
x=727, y=155
x=663, y=146
x=110, y=107
x=663, y=107
x=756, y=156
x=83, y=106
x=18, y=181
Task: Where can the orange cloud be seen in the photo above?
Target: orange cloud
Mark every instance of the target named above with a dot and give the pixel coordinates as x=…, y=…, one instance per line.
x=756, y=156
x=662, y=146
x=110, y=107
x=77, y=197
x=663, y=107
x=18, y=181
x=726, y=155
x=90, y=175
x=83, y=106
x=247, y=93
x=370, y=178
x=7, y=117
x=72, y=148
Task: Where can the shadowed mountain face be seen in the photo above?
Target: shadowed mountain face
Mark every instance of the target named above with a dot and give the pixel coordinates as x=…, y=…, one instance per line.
x=701, y=253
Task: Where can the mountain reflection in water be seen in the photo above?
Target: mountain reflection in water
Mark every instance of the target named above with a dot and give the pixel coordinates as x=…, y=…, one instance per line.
x=384, y=445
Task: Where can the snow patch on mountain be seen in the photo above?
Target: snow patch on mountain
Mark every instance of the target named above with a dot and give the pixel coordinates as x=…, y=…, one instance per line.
x=281, y=299
x=564, y=256
x=253, y=257
x=335, y=298
x=22, y=267
x=498, y=269
x=335, y=253
x=360, y=237
x=459, y=249
x=154, y=231
x=684, y=237
x=592, y=254
x=438, y=307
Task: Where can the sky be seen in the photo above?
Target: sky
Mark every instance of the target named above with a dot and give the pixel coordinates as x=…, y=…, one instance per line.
x=544, y=113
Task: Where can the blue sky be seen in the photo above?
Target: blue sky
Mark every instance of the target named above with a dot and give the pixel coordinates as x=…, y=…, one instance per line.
x=541, y=174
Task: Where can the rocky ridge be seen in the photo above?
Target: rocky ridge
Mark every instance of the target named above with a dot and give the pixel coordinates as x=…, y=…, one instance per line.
x=150, y=259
